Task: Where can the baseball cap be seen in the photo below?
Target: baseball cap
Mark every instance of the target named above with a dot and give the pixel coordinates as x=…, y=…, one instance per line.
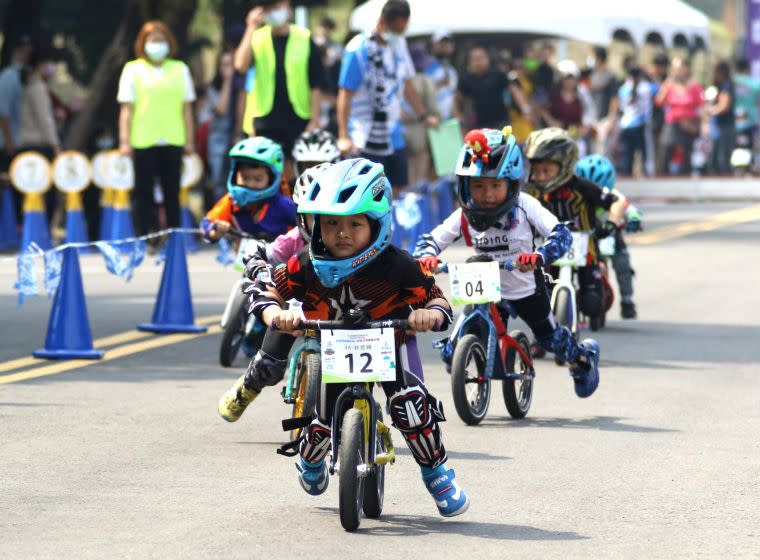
x=442, y=35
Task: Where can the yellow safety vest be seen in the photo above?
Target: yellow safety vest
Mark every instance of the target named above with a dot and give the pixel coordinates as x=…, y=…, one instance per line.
x=159, y=101
x=260, y=101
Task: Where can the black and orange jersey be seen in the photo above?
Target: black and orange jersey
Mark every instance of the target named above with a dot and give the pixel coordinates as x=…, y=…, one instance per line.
x=576, y=202
x=388, y=288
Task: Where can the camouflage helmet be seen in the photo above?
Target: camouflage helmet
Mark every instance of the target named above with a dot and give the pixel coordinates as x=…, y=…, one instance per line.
x=552, y=144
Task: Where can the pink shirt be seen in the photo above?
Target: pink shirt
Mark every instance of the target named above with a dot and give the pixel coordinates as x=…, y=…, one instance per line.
x=683, y=105
x=285, y=246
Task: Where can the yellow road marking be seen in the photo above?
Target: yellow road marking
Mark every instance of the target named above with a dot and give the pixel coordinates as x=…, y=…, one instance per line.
x=116, y=353
x=100, y=343
x=724, y=219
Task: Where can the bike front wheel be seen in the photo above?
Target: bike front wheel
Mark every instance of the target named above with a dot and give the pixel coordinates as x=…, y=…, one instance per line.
x=470, y=387
x=374, y=485
x=518, y=393
x=350, y=483
x=234, y=331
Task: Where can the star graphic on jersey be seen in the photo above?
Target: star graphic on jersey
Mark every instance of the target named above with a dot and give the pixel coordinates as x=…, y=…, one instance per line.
x=347, y=303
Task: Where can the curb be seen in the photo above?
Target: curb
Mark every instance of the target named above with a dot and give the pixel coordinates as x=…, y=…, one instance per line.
x=696, y=189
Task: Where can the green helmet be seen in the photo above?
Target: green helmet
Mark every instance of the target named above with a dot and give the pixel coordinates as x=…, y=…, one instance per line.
x=552, y=144
x=259, y=151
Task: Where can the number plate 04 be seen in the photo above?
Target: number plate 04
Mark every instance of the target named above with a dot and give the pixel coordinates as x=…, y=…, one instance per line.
x=475, y=283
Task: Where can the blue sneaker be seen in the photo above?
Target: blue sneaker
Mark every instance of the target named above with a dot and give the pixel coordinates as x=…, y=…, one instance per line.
x=587, y=378
x=450, y=498
x=313, y=476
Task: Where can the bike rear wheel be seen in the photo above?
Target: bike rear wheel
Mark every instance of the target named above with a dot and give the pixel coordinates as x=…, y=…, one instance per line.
x=374, y=485
x=308, y=380
x=350, y=483
x=563, y=315
x=469, y=386
x=234, y=331
x=518, y=393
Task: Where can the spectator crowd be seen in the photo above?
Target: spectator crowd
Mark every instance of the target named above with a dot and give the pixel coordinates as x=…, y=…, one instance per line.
x=379, y=96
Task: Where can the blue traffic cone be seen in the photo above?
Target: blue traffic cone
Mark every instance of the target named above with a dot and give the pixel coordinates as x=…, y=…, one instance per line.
x=174, y=306
x=68, y=335
x=106, y=214
x=8, y=225
x=76, y=232
x=35, y=223
x=121, y=219
x=186, y=221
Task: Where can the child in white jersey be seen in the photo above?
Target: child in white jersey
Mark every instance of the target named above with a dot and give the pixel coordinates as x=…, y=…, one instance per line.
x=498, y=221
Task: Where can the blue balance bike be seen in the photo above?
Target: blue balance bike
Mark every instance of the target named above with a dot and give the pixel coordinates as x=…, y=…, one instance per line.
x=480, y=349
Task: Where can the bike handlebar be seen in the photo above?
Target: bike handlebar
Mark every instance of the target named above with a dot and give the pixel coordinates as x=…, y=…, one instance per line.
x=509, y=265
x=326, y=325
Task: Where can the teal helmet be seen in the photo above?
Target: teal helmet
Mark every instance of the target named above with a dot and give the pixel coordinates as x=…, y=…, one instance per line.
x=255, y=151
x=353, y=186
x=597, y=169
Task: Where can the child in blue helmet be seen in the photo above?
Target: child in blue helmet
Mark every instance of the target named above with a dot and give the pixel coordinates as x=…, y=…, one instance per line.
x=253, y=203
x=498, y=221
x=600, y=171
x=351, y=265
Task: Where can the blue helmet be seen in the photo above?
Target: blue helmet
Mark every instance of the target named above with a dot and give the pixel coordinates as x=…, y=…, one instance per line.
x=597, y=169
x=255, y=151
x=353, y=186
x=492, y=154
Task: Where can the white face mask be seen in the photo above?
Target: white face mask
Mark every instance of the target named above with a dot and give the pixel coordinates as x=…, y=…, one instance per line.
x=277, y=17
x=157, y=50
x=390, y=37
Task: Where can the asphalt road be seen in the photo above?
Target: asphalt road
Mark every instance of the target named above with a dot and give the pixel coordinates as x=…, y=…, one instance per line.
x=128, y=458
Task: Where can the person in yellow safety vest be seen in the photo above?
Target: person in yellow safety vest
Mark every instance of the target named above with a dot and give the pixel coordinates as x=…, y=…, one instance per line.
x=289, y=75
x=156, y=94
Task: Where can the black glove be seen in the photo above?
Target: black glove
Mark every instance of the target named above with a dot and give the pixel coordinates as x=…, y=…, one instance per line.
x=606, y=229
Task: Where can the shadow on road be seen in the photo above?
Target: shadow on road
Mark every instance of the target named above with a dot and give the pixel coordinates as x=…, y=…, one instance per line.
x=601, y=423
x=416, y=525
x=464, y=455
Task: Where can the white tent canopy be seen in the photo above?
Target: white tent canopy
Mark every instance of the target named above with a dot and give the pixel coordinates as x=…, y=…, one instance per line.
x=593, y=21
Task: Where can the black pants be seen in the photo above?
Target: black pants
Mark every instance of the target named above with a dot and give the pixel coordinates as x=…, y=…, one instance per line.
x=632, y=140
x=535, y=309
x=672, y=136
x=165, y=164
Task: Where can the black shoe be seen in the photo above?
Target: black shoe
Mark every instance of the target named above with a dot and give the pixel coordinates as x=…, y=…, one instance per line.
x=628, y=310
x=537, y=351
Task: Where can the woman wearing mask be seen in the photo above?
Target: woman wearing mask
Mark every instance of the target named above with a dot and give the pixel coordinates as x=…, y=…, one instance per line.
x=682, y=99
x=722, y=121
x=156, y=94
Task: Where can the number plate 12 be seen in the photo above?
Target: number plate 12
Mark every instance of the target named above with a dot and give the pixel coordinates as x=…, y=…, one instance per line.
x=475, y=283
x=358, y=356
